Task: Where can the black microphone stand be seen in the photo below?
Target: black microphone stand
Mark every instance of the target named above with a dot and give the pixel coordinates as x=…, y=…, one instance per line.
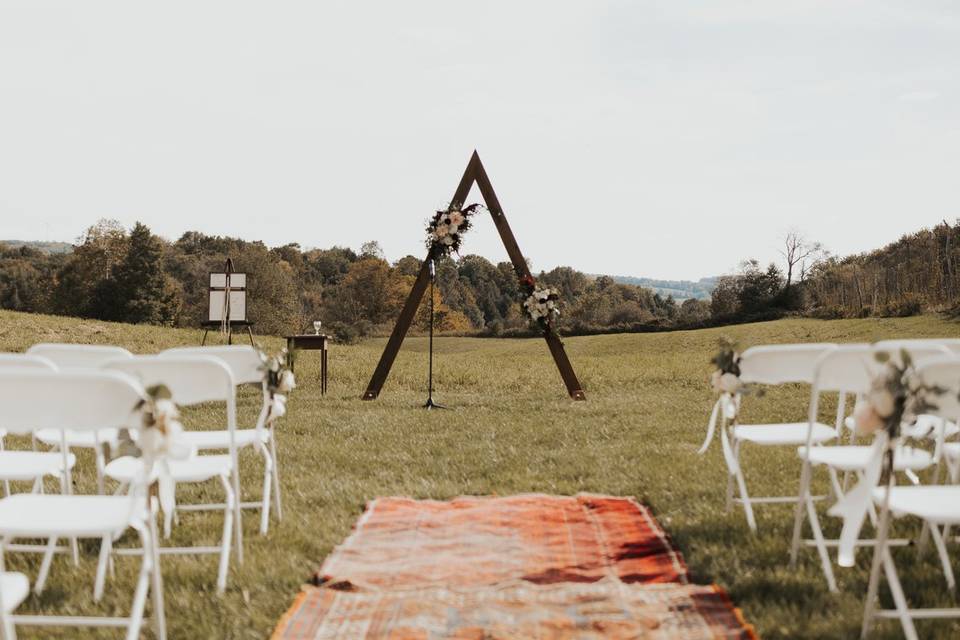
x=430, y=404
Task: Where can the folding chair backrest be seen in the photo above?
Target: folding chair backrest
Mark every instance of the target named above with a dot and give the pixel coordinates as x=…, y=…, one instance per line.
x=33, y=399
x=849, y=368
x=191, y=379
x=78, y=356
x=26, y=361
x=918, y=349
x=244, y=362
x=943, y=372
x=950, y=344
x=781, y=363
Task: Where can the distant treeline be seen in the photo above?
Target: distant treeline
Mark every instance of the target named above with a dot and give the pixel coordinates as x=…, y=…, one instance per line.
x=918, y=272
x=135, y=276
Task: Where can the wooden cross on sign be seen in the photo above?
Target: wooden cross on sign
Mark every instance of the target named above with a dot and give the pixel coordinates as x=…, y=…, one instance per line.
x=474, y=174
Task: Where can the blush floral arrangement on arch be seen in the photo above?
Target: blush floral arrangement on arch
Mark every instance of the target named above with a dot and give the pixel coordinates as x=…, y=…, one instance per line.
x=445, y=230
x=541, y=304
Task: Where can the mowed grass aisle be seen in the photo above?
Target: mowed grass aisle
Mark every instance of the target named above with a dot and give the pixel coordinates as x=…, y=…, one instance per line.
x=511, y=429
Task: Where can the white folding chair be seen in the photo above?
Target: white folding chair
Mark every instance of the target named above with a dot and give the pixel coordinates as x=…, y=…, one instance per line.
x=31, y=466
x=81, y=401
x=245, y=364
x=936, y=505
x=191, y=380
x=34, y=467
x=766, y=365
x=70, y=357
x=848, y=371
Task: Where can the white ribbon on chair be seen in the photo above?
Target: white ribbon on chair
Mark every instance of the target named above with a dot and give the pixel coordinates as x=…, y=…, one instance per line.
x=853, y=506
x=726, y=405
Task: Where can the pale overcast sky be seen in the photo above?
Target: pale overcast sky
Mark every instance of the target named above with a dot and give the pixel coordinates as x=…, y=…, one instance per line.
x=665, y=139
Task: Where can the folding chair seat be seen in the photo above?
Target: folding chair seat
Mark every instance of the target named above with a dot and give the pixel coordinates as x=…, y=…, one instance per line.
x=767, y=365
x=936, y=505
x=191, y=380
x=80, y=400
x=790, y=433
x=856, y=458
x=849, y=370
x=247, y=368
x=69, y=357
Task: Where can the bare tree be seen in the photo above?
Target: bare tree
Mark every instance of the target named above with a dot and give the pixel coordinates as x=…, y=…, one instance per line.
x=800, y=255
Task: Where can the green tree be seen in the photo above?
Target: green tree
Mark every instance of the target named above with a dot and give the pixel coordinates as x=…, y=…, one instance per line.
x=96, y=253
x=139, y=290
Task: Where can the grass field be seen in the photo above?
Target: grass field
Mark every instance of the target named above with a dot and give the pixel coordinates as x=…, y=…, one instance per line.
x=511, y=429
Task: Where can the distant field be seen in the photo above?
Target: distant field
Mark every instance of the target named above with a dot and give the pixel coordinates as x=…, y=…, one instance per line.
x=511, y=429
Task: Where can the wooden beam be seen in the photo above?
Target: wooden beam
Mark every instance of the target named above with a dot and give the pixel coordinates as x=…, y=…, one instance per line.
x=399, y=332
x=474, y=174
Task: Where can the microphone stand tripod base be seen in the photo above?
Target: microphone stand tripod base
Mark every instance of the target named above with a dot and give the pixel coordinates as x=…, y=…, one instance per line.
x=430, y=404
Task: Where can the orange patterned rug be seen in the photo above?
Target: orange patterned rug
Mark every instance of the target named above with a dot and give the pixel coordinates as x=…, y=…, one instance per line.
x=527, y=566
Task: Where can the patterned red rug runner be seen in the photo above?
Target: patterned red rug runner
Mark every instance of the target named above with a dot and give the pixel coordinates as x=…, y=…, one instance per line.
x=528, y=566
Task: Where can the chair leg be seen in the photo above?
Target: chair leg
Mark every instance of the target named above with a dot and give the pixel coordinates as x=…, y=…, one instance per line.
x=227, y=533
x=821, y=545
x=7, y=631
x=237, y=515
x=276, y=476
x=941, y=546
x=75, y=551
x=265, y=504
x=143, y=584
x=742, y=490
x=159, y=612
x=873, y=585
x=98, y=458
x=729, y=505
x=45, y=566
x=798, y=512
x=106, y=546
x=899, y=599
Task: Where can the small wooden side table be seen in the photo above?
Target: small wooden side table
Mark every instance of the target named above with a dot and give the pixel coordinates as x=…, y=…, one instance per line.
x=308, y=342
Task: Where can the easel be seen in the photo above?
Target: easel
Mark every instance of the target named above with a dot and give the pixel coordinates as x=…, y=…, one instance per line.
x=207, y=326
x=227, y=298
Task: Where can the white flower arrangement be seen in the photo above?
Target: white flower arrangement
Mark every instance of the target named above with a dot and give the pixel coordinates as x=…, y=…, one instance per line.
x=279, y=382
x=725, y=380
x=446, y=228
x=159, y=440
x=896, y=396
x=543, y=304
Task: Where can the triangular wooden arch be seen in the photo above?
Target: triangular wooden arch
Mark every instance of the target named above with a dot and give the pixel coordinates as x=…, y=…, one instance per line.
x=474, y=174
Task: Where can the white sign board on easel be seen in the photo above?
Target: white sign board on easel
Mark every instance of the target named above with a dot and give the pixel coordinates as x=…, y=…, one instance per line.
x=227, y=297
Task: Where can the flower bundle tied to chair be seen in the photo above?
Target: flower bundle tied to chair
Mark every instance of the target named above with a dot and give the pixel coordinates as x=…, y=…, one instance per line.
x=278, y=382
x=897, y=396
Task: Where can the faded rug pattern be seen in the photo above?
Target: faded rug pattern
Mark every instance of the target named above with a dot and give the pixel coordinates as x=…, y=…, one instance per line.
x=526, y=566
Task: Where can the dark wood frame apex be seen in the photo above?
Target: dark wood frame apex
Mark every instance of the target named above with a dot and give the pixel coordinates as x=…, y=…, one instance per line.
x=474, y=174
